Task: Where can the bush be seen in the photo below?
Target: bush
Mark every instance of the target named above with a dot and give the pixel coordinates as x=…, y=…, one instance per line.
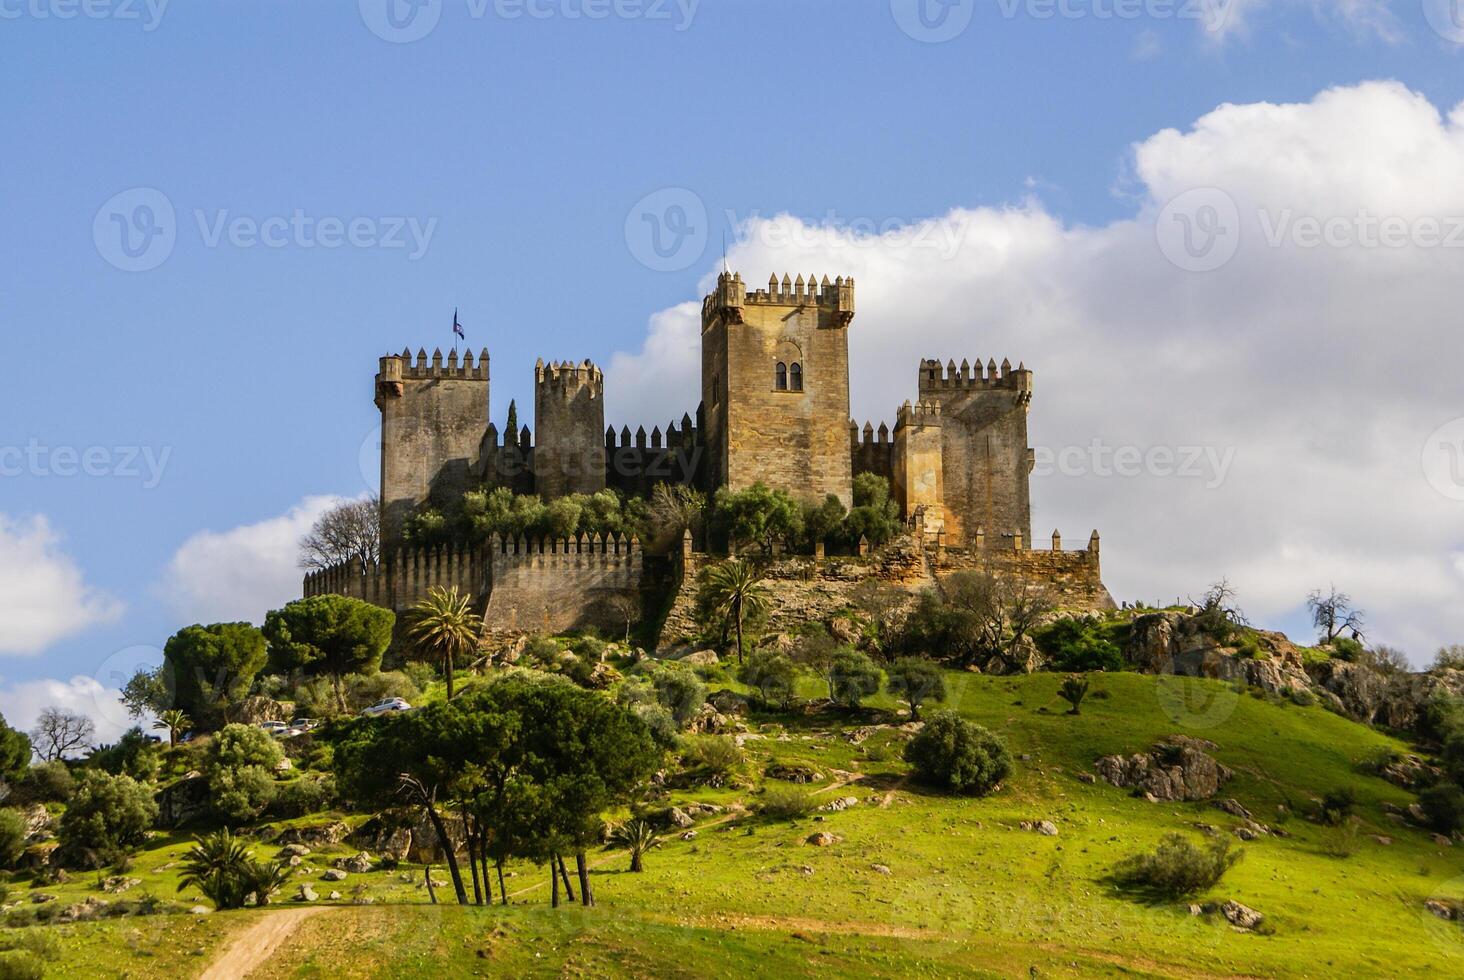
x=1080, y=645
x=589, y=648
x=240, y=771
x=49, y=782
x=421, y=674
x=680, y=692
x=1346, y=648
x=1443, y=805
x=133, y=755
x=783, y=802
x=12, y=837
x=953, y=753
x=304, y=795
x=1177, y=868
x=717, y=756
x=852, y=677
x=1336, y=806
x=772, y=675
x=107, y=818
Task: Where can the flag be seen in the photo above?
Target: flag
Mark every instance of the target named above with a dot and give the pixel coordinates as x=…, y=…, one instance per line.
x=457, y=328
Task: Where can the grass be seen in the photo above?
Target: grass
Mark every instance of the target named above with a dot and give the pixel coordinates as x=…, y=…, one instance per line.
x=968, y=891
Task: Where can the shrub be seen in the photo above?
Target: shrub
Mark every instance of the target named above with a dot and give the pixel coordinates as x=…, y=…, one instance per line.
x=1346, y=648
x=1177, y=868
x=304, y=795
x=49, y=782
x=783, y=802
x=772, y=675
x=421, y=674
x=959, y=755
x=12, y=837
x=852, y=677
x=1443, y=805
x=1079, y=645
x=133, y=755
x=1336, y=806
x=680, y=692
x=240, y=767
x=1072, y=690
x=589, y=648
x=107, y=818
x=1341, y=842
x=718, y=756
x=916, y=680
x=17, y=964
x=657, y=719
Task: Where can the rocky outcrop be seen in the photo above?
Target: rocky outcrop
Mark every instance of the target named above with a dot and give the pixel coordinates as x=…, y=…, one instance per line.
x=319, y=835
x=1395, y=701
x=184, y=801
x=1173, y=643
x=252, y=710
x=388, y=834
x=1178, y=768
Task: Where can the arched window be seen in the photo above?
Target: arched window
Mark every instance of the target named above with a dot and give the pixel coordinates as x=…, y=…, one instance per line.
x=795, y=376
x=780, y=377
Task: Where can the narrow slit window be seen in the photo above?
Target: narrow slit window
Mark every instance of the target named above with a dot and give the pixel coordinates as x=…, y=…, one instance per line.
x=795, y=377
x=780, y=377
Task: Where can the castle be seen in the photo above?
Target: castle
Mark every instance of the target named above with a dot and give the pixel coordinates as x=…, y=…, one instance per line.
x=774, y=410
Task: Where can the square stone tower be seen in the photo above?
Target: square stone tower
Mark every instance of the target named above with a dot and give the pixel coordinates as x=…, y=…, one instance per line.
x=432, y=420
x=775, y=385
x=569, y=429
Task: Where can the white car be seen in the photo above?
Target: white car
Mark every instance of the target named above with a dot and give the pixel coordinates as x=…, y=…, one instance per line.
x=275, y=728
x=386, y=706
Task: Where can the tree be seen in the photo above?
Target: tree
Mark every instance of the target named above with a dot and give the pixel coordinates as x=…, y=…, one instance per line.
x=12, y=837
x=107, y=818
x=883, y=606
x=59, y=733
x=348, y=532
x=176, y=722
x=511, y=427
x=213, y=668
x=772, y=675
x=1072, y=690
x=240, y=770
x=875, y=516
x=1177, y=868
x=15, y=753
x=328, y=635
x=637, y=836
x=916, y=680
x=680, y=692
x=852, y=678
x=1333, y=614
x=148, y=692
x=975, y=616
x=820, y=521
x=221, y=867
x=955, y=754
x=626, y=608
x=756, y=515
x=674, y=509
x=444, y=628
x=735, y=591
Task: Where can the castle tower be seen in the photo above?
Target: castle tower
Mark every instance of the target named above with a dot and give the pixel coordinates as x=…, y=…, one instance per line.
x=985, y=459
x=432, y=418
x=775, y=385
x=569, y=419
x=918, y=484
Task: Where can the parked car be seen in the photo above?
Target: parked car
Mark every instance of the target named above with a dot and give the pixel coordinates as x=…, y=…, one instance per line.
x=386, y=706
x=276, y=728
x=304, y=724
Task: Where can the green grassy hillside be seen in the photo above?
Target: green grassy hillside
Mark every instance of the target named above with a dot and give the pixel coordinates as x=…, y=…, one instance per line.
x=967, y=890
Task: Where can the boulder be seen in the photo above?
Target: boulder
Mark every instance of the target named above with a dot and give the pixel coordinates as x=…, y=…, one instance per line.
x=387, y=834
x=117, y=884
x=333, y=874
x=823, y=839
x=257, y=708
x=306, y=894
x=425, y=846
x=882, y=869
x=356, y=864
x=294, y=850
x=1176, y=769
x=709, y=721
x=88, y=908
x=702, y=658
x=39, y=824
x=729, y=703
x=318, y=835
x=793, y=772
x=1240, y=916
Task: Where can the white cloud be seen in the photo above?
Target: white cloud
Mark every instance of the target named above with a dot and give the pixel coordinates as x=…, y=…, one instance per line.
x=23, y=701
x=1321, y=368
x=240, y=574
x=1225, y=19
x=43, y=595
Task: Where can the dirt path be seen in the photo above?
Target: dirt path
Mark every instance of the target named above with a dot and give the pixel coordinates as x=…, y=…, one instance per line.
x=250, y=949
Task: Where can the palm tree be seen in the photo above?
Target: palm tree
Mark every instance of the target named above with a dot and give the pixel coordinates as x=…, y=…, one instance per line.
x=218, y=866
x=1074, y=688
x=263, y=879
x=638, y=836
x=175, y=721
x=444, y=628
x=737, y=591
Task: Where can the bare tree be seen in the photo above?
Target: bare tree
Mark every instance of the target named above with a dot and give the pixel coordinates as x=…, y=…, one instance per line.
x=1333, y=613
x=674, y=510
x=348, y=532
x=59, y=732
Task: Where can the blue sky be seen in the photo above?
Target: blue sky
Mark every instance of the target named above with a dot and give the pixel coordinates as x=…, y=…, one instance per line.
x=521, y=143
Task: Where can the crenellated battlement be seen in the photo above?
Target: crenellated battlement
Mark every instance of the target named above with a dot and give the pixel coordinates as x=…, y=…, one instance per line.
x=922, y=413
x=570, y=377
x=937, y=377
x=675, y=437
x=401, y=367
x=868, y=436
x=731, y=295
